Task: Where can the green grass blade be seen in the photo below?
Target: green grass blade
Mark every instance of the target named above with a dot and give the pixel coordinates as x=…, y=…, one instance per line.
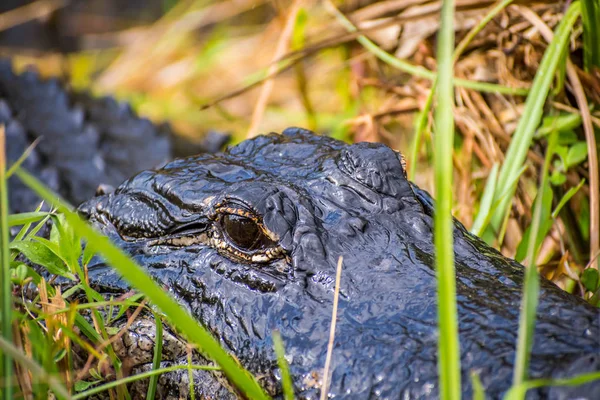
x=478, y=391
x=519, y=391
x=136, y=276
x=420, y=125
x=499, y=196
x=421, y=119
x=6, y=287
x=485, y=206
x=448, y=343
x=560, y=122
x=25, y=228
x=87, y=329
x=26, y=218
x=532, y=114
x=140, y=376
x=27, y=232
x=22, y=158
x=286, y=378
x=566, y=198
x=156, y=358
x=190, y=369
x=495, y=10
x=590, y=15
x=531, y=284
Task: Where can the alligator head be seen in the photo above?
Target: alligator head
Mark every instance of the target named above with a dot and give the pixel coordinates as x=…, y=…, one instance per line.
x=248, y=241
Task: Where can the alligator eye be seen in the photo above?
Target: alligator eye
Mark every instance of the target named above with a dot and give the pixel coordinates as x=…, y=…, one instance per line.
x=244, y=232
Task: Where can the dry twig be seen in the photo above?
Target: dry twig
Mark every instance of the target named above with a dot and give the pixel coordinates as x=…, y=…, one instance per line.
x=267, y=87
x=37, y=10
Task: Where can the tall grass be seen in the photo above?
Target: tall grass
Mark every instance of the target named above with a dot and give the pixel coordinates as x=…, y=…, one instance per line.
x=448, y=343
x=531, y=283
x=5, y=266
x=158, y=340
x=529, y=122
x=286, y=378
x=143, y=375
x=423, y=115
x=518, y=392
x=590, y=15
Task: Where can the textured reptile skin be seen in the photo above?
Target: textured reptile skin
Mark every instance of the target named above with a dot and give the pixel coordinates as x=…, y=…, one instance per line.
x=318, y=199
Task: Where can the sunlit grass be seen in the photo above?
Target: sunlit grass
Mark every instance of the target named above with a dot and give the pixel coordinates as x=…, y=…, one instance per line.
x=152, y=385
x=142, y=375
x=448, y=341
x=423, y=115
x=529, y=121
x=531, y=283
x=518, y=392
x=286, y=379
x=590, y=15
x=7, y=369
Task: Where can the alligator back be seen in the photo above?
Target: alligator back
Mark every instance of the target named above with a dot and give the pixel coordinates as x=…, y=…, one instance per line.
x=82, y=141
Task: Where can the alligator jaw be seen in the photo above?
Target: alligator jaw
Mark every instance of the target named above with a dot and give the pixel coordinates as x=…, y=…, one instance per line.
x=135, y=344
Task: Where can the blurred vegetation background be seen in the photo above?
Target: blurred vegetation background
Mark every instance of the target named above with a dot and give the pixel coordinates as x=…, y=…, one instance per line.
x=251, y=66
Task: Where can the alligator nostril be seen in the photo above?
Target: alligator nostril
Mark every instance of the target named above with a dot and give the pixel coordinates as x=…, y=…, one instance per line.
x=86, y=209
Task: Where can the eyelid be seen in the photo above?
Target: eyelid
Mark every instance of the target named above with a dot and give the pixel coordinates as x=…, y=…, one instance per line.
x=237, y=211
x=237, y=206
x=201, y=225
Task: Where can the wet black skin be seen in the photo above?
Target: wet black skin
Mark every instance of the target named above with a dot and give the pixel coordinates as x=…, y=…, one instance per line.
x=248, y=241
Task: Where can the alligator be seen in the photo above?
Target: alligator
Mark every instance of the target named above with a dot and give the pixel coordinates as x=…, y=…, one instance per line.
x=248, y=240
x=80, y=141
